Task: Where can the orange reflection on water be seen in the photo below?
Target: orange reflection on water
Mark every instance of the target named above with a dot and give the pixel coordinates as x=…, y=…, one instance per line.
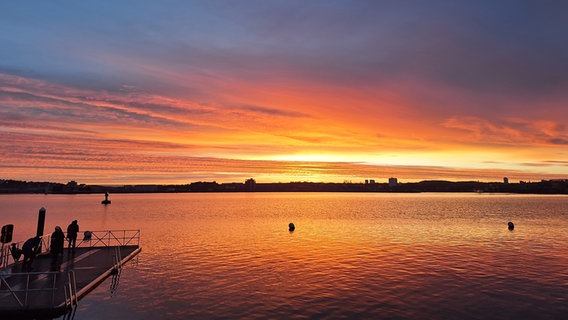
x=352, y=255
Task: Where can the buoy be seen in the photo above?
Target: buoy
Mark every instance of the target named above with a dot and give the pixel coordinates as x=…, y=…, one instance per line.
x=511, y=225
x=106, y=200
x=291, y=227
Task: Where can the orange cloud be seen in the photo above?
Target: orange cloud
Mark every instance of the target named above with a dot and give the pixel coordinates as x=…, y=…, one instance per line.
x=277, y=131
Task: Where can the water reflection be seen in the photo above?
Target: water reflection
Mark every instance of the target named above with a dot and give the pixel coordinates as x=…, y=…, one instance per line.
x=115, y=280
x=351, y=256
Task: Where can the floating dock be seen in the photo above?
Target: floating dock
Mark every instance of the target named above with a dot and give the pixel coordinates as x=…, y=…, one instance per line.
x=49, y=290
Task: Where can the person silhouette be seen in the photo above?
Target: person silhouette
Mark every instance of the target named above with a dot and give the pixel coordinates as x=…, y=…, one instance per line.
x=29, y=250
x=57, y=242
x=16, y=252
x=72, y=231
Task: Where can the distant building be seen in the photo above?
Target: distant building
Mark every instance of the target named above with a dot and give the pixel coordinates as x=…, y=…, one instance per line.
x=506, y=180
x=250, y=184
x=393, y=182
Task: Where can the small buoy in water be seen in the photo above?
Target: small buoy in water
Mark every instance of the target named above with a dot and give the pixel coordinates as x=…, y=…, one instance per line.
x=106, y=200
x=291, y=227
x=511, y=225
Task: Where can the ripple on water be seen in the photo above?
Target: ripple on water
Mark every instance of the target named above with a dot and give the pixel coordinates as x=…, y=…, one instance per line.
x=352, y=256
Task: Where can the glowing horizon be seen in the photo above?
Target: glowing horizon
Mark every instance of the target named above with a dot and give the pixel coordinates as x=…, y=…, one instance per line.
x=281, y=91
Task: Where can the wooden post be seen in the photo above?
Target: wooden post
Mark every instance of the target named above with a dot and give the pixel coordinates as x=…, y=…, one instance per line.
x=40, y=225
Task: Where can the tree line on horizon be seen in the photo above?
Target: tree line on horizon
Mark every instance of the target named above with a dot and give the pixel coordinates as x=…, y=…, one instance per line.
x=250, y=185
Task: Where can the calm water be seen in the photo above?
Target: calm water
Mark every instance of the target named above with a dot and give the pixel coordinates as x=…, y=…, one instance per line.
x=356, y=256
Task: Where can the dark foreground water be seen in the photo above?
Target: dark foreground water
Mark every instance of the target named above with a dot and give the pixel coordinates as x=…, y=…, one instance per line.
x=356, y=256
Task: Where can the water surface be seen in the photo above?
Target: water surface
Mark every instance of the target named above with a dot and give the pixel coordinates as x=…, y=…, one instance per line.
x=352, y=255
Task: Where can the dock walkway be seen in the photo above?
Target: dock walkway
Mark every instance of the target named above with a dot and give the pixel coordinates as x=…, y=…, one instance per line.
x=52, y=290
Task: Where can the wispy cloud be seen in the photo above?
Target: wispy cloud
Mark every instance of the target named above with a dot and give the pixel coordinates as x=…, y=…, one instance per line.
x=509, y=131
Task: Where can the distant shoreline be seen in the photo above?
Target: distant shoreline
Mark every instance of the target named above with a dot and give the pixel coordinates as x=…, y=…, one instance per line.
x=541, y=187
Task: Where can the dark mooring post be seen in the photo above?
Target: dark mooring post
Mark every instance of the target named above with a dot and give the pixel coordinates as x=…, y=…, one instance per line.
x=40, y=224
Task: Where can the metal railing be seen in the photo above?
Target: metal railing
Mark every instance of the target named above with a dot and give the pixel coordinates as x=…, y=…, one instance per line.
x=71, y=299
x=91, y=239
x=110, y=238
x=6, y=251
x=24, y=290
x=19, y=286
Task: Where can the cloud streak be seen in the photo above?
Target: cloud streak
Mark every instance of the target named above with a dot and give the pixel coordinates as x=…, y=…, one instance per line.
x=123, y=91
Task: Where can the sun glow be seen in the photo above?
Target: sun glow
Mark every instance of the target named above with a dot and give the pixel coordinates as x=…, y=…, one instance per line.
x=314, y=158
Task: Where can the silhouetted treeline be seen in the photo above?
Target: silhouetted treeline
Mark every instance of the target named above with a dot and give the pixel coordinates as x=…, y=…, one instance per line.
x=542, y=187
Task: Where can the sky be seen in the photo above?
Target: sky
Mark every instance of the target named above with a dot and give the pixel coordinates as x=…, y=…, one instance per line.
x=142, y=92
